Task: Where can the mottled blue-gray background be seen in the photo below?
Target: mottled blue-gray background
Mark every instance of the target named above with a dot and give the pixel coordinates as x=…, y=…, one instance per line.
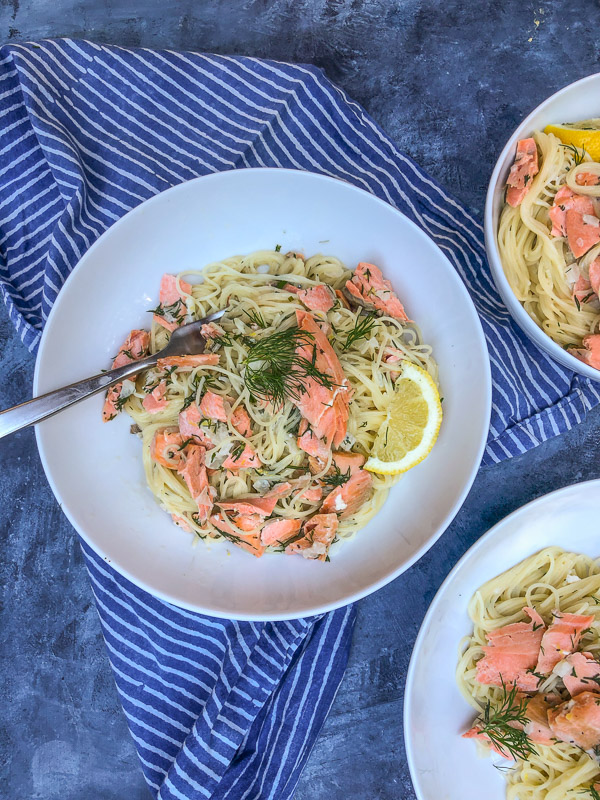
x=449, y=80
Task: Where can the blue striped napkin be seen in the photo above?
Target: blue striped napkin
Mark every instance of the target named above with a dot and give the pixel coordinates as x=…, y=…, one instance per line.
x=221, y=709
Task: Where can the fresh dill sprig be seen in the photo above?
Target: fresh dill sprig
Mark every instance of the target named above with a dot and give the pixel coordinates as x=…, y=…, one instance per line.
x=594, y=792
x=577, y=155
x=496, y=724
x=276, y=372
x=256, y=317
x=175, y=310
x=337, y=478
x=362, y=328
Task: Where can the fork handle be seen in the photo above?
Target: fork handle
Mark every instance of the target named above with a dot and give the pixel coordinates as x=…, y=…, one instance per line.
x=33, y=411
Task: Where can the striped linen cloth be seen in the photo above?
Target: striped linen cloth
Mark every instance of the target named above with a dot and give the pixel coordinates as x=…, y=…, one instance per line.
x=221, y=709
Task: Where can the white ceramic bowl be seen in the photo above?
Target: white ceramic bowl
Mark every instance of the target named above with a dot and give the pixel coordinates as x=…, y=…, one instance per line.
x=443, y=766
x=580, y=100
x=95, y=469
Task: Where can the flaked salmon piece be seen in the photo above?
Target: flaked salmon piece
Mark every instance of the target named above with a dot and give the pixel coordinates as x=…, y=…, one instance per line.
x=594, y=270
x=215, y=406
x=240, y=419
x=317, y=298
x=278, y=531
x=583, y=229
x=561, y=639
x=189, y=425
x=522, y=172
x=590, y=352
x=573, y=216
x=587, y=179
x=263, y=506
x=182, y=523
x=279, y=491
x=538, y=728
x=172, y=298
x=369, y=288
x=313, y=494
x=512, y=654
x=212, y=406
x=156, y=401
x=346, y=499
x=249, y=541
x=558, y=213
x=319, y=532
x=246, y=459
x=348, y=461
x=193, y=472
x=189, y=362
x=316, y=447
x=248, y=513
x=166, y=448
x=324, y=408
x=581, y=288
x=134, y=348
x=577, y=721
x=584, y=674
x=289, y=287
x=211, y=330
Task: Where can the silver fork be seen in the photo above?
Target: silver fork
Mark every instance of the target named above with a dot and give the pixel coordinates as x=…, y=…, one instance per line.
x=186, y=340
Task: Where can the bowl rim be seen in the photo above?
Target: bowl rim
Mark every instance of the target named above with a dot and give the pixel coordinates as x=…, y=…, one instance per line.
x=478, y=545
x=394, y=572
x=516, y=309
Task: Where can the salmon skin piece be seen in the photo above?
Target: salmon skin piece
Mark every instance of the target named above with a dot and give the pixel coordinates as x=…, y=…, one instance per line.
x=561, y=639
x=319, y=532
x=172, y=302
x=368, y=288
x=522, y=172
x=512, y=654
x=577, y=721
x=134, y=348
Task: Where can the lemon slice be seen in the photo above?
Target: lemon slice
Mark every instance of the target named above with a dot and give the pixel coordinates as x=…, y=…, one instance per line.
x=412, y=425
x=584, y=134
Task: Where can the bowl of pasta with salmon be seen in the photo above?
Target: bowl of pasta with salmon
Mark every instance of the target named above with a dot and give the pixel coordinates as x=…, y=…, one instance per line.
x=510, y=649
x=323, y=434
x=542, y=226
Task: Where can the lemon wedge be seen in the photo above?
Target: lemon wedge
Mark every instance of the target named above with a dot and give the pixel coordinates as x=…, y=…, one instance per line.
x=412, y=424
x=584, y=134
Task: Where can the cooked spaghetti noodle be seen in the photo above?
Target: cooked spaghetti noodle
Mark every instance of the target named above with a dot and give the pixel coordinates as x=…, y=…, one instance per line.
x=552, y=582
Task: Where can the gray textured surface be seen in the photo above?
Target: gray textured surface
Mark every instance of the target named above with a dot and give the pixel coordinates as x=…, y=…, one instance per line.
x=448, y=80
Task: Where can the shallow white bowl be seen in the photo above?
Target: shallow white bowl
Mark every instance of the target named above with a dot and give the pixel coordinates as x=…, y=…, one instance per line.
x=95, y=470
x=579, y=100
x=444, y=766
